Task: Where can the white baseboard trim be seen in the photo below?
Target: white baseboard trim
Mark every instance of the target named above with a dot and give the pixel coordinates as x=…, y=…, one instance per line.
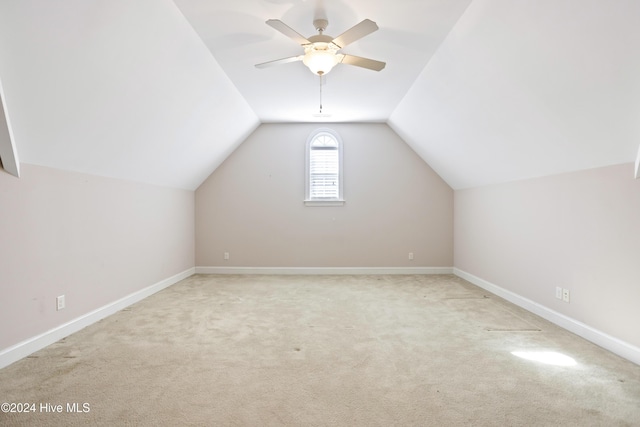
x=613, y=344
x=31, y=345
x=324, y=270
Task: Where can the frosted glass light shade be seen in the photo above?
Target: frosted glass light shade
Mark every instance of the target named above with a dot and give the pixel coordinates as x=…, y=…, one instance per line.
x=320, y=62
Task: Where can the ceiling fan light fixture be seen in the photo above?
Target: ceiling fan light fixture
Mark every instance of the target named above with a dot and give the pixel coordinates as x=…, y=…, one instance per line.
x=321, y=51
x=320, y=61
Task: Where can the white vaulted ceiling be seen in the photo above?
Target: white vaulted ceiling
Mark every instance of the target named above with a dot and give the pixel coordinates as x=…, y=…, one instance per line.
x=235, y=33
x=117, y=88
x=485, y=91
x=523, y=89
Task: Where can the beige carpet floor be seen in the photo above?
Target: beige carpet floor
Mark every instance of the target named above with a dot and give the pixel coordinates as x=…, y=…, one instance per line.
x=322, y=351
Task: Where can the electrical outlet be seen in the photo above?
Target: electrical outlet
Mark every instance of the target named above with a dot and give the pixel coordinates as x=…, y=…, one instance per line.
x=565, y=295
x=226, y=255
x=558, y=292
x=411, y=256
x=59, y=303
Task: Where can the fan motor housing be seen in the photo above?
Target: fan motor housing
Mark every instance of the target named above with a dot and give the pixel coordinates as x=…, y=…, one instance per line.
x=320, y=38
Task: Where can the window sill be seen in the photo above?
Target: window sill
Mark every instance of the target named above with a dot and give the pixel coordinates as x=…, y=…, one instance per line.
x=324, y=202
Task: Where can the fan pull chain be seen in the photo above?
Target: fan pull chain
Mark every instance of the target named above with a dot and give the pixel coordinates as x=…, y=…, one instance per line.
x=320, y=93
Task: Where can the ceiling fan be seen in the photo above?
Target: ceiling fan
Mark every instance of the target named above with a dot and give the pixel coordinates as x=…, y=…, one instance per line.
x=321, y=51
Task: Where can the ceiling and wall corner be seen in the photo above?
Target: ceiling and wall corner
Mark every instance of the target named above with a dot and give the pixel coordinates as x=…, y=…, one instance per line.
x=526, y=89
x=236, y=34
x=8, y=154
x=118, y=89
x=485, y=91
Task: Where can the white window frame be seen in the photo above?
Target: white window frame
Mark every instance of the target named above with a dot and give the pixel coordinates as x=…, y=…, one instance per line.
x=338, y=201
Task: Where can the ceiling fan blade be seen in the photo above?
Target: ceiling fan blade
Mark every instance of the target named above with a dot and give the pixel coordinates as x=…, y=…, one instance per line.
x=288, y=31
x=280, y=61
x=358, y=61
x=354, y=33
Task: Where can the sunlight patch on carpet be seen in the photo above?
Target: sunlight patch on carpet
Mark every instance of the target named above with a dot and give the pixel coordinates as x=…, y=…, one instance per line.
x=546, y=357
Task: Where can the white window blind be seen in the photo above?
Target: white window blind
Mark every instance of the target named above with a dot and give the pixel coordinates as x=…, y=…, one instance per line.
x=324, y=168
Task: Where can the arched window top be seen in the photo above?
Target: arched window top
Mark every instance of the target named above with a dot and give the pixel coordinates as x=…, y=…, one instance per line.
x=324, y=170
x=324, y=139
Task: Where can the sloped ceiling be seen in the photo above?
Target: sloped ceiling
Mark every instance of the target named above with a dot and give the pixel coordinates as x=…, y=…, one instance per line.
x=236, y=34
x=523, y=89
x=117, y=88
x=485, y=91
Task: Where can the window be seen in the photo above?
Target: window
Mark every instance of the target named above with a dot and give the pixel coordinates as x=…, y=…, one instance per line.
x=324, y=174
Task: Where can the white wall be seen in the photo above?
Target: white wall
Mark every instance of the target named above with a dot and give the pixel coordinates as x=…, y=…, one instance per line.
x=93, y=239
x=577, y=230
x=252, y=205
